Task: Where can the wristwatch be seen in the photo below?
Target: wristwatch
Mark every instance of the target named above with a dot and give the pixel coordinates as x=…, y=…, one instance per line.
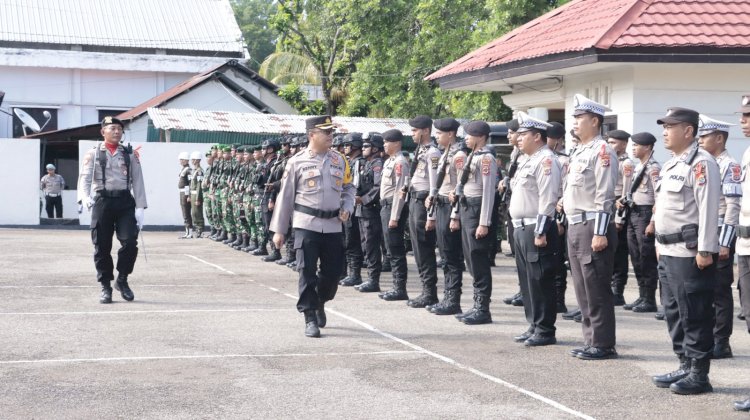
x=704, y=253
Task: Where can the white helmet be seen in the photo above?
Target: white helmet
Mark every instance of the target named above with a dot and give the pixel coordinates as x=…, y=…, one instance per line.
x=195, y=155
x=183, y=156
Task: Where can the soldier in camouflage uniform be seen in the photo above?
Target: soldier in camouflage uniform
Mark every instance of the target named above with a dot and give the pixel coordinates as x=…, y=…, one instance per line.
x=196, y=194
x=246, y=188
x=218, y=183
x=262, y=212
x=228, y=211
x=273, y=186
x=208, y=203
x=243, y=230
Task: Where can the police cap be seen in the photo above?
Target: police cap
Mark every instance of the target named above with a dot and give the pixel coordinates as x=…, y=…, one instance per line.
x=421, y=121
x=323, y=122
x=273, y=143
x=112, y=120
x=556, y=131
x=677, y=115
x=446, y=124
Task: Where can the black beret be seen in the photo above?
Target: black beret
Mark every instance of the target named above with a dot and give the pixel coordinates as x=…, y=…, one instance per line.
x=323, y=122
x=644, y=139
x=557, y=131
x=679, y=115
x=112, y=120
x=421, y=121
x=355, y=139
x=477, y=128
x=447, y=124
x=393, y=135
x=619, y=135
x=513, y=125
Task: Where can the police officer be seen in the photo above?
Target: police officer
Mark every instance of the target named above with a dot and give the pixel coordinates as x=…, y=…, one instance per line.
x=687, y=208
x=183, y=184
x=196, y=194
x=475, y=194
x=556, y=143
x=394, y=212
x=505, y=193
x=743, y=231
x=316, y=195
x=108, y=174
x=712, y=137
x=262, y=212
x=423, y=177
x=588, y=201
x=367, y=209
x=52, y=185
x=618, y=141
x=637, y=204
x=536, y=190
x=352, y=237
x=448, y=241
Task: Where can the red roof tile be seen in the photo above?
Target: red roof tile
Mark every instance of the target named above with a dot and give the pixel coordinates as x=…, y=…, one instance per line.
x=607, y=24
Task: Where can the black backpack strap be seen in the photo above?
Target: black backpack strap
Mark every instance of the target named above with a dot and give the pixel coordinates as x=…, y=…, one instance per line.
x=103, y=166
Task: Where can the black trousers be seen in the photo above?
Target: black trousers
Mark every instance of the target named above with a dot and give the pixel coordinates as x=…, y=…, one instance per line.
x=642, y=248
x=476, y=250
x=371, y=231
x=450, y=245
x=312, y=247
x=53, y=203
x=114, y=216
x=687, y=294
x=187, y=217
x=561, y=273
x=723, y=299
x=621, y=266
x=394, y=242
x=422, y=243
x=267, y=234
x=536, y=269
x=743, y=283
x=353, y=243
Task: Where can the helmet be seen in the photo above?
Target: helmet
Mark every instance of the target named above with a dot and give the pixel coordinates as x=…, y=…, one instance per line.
x=50, y=166
x=273, y=143
x=354, y=139
x=338, y=140
x=183, y=156
x=195, y=155
x=376, y=140
x=286, y=140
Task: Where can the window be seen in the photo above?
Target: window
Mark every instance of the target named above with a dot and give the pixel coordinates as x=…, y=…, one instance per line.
x=36, y=118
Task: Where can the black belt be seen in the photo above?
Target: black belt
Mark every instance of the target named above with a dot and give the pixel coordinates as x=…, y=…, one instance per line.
x=443, y=200
x=471, y=200
x=640, y=207
x=743, y=232
x=323, y=214
x=114, y=193
x=419, y=195
x=672, y=238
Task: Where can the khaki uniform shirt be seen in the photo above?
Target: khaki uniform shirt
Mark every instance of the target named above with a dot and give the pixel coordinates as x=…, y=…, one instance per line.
x=536, y=187
x=625, y=168
x=320, y=181
x=688, y=194
x=481, y=183
x=183, y=180
x=52, y=184
x=591, y=179
x=395, y=175
x=116, y=171
x=644, y=195
x=730, y=173
x=743, y=244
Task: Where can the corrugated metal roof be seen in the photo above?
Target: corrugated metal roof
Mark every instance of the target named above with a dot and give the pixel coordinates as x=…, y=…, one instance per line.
x=238, y=122
x=196, y=25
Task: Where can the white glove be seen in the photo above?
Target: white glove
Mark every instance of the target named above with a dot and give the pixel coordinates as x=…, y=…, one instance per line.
x=186, y=190
x=139, y=218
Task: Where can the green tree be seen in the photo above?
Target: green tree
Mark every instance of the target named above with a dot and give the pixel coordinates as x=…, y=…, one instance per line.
x=253, y=17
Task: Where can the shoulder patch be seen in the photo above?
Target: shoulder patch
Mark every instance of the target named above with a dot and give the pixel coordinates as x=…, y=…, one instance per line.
x=434, y=161
x=398, y=169
x=604, y=157
x=486, y=166
x=699, y=170
x=627, y=168
x=735, y=172
x=459, y=162
x=547, y=166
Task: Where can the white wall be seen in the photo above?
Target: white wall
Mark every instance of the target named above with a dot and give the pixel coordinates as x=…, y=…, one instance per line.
x=160, y=171
x=19, y=191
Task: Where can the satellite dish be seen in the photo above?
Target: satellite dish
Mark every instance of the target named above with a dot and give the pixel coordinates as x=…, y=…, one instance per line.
x=27, y=120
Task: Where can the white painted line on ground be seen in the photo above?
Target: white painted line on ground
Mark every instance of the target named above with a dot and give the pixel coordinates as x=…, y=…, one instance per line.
x=166, y=311
x=208, y=263
x=438, y=356
x=207, y=356
x=99, y=286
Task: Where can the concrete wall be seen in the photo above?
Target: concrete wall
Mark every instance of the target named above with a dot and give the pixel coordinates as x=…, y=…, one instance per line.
x=160, y=171
x=19, y=191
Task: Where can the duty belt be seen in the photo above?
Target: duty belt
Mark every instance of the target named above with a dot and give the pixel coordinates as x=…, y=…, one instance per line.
x=323, y=214
x=672, y=238
x=471, y=200
x=419, y=195
x=443, y=200
x=53, y=195
x=577, y=218
x=114, y=193
x=526, y=221
x=743, y=231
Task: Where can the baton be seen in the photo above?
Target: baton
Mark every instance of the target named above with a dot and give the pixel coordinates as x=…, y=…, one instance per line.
x=143, y=244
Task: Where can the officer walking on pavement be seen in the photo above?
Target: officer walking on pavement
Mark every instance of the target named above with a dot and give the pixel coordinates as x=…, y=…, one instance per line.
x=618, y=141
x=316, y=195
x=536, y=190
x=109, y=173
x=367, y=209
x=687, y=208
x=743, y=231
x=588, y=201
x=183, y=184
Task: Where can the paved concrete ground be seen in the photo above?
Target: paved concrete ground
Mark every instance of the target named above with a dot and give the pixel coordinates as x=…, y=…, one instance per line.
x=213, y=333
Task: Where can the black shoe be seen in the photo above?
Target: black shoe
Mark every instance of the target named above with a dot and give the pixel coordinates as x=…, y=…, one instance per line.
x=517, y=301
x=697, y=381
x=441, y=263
x=106, y=296
x=509, y=300
x=311, y=324
x=461, y=316
x=722, y=350
x=368, y=287
x=351, y=281
x=742, y=405
x=540, y=340
x=571, y=314
x=741, y=316
x=275, y=256
x=659, y=315
x=523, y=337
x=633, y=304
x=320, y=314
x=664, y=381
x=509, y=254
x=645, y=306
x=260, y=251
x=422, y=300
x=574, y=352
x=561, y=308
x=598, y=353
x=619, y=299
x=122, y=285
x=578, y=318
x=282, y=261
x=445, y=308
x=394, y=294
x=292, y=264
x=478, y=317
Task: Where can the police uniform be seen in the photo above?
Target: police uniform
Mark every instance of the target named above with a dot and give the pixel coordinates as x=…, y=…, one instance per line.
x=625, y=167
x=52, y=186
x=743, y=238
x=730, y=173
x=687, y=208
x=588, y=200
x=536, y=189
x=515, y=159
x=448, y=241
x=263, y=195
x=557, y=131
x=393, y=207
x=315, y=187
x=476, y=195
x=196, y=195
x=274, y=182
x=639, y=198
x=368, y=212
x=112, y=182
x=183, y=185
x=423, y=178
x=352, y=235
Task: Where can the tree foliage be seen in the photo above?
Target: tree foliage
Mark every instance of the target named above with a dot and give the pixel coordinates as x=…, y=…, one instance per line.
x=253, y=17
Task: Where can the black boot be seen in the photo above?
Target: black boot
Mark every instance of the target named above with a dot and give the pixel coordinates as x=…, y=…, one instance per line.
x=261, y=250
x=722, y=349
x=122, y=285
x=560, y=299
x=509, y=300
x=197, y=233
x=251, y=245
x=354, y=278
x=450, y=305
x=275, y=255
x=311, y=324
x=648, y=304
x=481, y=313
x=386, y=267
x=221, y=236
x=633, y=304
x=230, y=239
x=664, y=381
x=398, y=292
x=697, y=381
x=571, y=314
x=320, y=314
x=106, y=295
x=212, y=232
x=244, y=239
x=659, y=315
x=618, y=297
x=428, y=297
x=371, y=285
